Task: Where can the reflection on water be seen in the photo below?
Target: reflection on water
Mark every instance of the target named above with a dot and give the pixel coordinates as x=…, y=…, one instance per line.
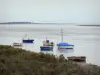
x=51, y=52
x=66, y=51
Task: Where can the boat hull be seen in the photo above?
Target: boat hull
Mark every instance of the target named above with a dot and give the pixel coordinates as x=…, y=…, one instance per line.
x=46, y=48
x=77, y=58
x=65, y=47
x=27, y=41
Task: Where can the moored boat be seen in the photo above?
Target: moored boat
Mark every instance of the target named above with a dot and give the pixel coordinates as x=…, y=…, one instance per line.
x=48, y=43
x=17, y=44
x=63, y=45
x=77, y=58
x=47, y=46
x=27, y=40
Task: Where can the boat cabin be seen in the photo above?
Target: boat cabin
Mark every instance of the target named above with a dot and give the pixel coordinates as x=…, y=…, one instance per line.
x=48, y=43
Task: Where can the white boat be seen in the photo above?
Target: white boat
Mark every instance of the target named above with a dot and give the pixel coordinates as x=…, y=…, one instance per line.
x=17, y=44
x=47, y=46
x=48, y=43
x=63, y=45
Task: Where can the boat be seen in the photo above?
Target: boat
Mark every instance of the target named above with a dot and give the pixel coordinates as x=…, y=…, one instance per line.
x=17, y=44
x=47, y=46
x=77, y=58
x=27, y=40
x=63, y=45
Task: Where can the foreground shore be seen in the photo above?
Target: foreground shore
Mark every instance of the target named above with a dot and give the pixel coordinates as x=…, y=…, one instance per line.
x=15, y=61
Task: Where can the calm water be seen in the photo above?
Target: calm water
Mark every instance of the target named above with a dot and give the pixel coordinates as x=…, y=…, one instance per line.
x=85, y=39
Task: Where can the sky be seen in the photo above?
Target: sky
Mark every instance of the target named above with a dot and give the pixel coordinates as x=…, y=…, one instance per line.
x=51, y=11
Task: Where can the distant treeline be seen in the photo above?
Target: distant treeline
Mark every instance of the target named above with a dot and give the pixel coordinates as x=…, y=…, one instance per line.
x=37, y=23
x=17, y=23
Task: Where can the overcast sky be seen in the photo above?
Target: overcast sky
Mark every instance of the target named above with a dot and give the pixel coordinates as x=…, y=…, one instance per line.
x=67, y=11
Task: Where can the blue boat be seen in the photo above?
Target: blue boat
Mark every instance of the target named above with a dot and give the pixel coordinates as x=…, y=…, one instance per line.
x=46, y=48
x=63, y=45
x=28, y=41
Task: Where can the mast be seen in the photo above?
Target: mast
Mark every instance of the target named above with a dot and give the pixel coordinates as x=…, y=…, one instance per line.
x=46, y=38
x=61, y=35
x=24, y=36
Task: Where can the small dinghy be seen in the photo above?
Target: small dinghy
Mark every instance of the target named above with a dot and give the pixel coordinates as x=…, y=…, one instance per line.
x=17, y=44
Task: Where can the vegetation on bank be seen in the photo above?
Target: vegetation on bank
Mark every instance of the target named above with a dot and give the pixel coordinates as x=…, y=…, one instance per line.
x=14, y=61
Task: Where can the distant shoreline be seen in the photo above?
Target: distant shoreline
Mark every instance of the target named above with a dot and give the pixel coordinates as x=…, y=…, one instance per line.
x=45, y=23
x=88, y=25
x=36, y=23
x=16, y=22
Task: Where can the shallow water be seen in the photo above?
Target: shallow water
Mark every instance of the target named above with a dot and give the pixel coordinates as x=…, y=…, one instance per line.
x=85, y=38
